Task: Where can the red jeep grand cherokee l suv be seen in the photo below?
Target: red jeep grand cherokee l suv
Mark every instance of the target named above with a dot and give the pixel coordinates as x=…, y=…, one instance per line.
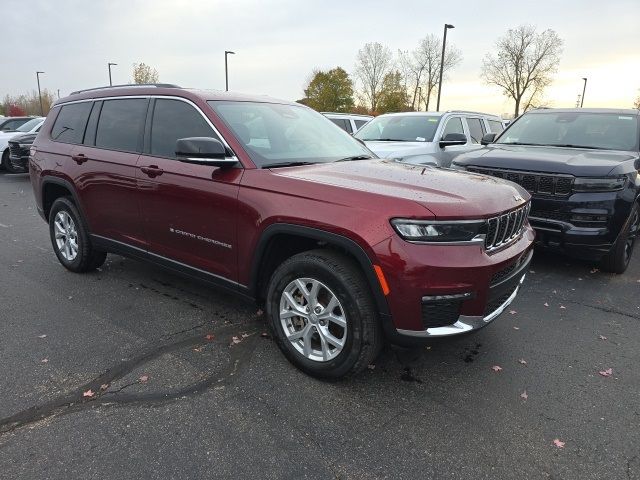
x=271, y=200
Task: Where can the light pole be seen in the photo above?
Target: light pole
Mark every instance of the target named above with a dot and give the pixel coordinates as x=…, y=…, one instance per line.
x=39, y=93
x=419, y=96
x=226, y=70
x=584, y=89
x=109, y=67
x=444, y=44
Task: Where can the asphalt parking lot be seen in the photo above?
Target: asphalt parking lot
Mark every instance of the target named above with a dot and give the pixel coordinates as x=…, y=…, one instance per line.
x=133, y=372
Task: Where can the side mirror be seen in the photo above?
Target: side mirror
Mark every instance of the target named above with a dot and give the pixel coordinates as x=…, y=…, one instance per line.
x=203, y=151
x=488, y=138
x=453, y=139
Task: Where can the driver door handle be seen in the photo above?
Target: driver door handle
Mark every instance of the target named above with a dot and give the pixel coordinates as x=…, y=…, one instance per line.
x=152, y=171
x=79, y=158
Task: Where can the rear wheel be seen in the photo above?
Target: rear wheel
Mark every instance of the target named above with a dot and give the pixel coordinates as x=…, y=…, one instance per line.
x=618, y=259
x=323, y=314
x=6, y=163
x=70, y=238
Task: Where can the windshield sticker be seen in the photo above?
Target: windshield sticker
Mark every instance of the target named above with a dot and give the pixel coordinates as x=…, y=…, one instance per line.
x=432, y=120
x=420, y=139
x=625, y=118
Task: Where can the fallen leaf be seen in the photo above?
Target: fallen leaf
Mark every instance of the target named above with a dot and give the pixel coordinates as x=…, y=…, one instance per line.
x=558, y=443
x=524, y=395
x=496, y=368
x=555, y=291
x=594, y=270
x=562, y=307
x=104, y=386
x=606, y=373
x=516, y=328
x=546, y=304
x=144, y=378
x=235, y=341
x=532, y=271
x=209, y=337
x=245, y=335
x=44, y=360
x=42, y=336
x=264, y=335
x=371, y=367
x=602, y=337
x=579, y=278
x=88, y=393
x=259, y=313
x=512, y=312
x=522, y=361
x=198, y=349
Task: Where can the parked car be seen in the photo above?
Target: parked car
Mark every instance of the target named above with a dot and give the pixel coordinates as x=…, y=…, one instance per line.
x=12, y=123
x=267, y=199
x=581, y=167
x=31, y=126
x=349, y=122
x=19, y=152
x=433, y=138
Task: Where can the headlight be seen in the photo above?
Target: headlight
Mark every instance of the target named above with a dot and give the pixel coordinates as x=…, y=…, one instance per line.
x=455, y=166
x=432, y=231
x=599, y=184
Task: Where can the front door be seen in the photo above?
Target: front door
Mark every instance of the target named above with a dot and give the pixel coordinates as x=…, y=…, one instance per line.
x=188, y=211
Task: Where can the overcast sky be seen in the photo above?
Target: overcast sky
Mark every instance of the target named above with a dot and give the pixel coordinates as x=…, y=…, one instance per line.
x=278, y=43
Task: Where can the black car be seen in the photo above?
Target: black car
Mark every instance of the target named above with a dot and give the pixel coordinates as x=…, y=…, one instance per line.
x=581, y=168
x=19, y=147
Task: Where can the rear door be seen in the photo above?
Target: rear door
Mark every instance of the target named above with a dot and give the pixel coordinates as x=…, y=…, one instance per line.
x=106, y=169
x=189, y=211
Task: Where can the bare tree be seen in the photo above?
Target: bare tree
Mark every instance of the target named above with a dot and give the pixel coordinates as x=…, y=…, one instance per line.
x=636, y=104
x=422, y=66
x=524, y=63
x=143, y=73
x=373, y=62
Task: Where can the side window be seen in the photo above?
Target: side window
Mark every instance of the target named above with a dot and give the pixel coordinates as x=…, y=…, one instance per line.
x=70, y=123
x=174, y=119
x=454, y=125
x=495, y=126
x=476, y=129
x=121, y=123
x=342, y=123
x=360, y=123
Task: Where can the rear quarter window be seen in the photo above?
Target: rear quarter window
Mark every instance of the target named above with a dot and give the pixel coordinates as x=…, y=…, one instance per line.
x=121, y=123
x=71, y=122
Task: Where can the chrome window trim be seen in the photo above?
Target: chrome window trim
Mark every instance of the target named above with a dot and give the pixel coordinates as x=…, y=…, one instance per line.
x=169, y=97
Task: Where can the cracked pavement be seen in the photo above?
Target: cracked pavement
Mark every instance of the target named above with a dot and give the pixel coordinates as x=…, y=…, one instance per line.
x=211, y=410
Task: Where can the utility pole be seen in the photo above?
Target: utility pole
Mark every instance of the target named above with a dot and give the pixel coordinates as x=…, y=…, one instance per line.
x=226, y=69
x=444, y=44
x=419, y=96
x=109, y=67
x=40, y=93
x=584, y=89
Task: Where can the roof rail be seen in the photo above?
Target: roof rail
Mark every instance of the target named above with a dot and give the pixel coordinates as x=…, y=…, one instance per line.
x=128, y=85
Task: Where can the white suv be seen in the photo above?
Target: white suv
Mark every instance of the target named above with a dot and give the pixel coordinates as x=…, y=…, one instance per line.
x=349, y=122
x=433, y=138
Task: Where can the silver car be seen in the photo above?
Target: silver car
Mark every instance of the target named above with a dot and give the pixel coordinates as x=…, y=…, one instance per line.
x=433, y=138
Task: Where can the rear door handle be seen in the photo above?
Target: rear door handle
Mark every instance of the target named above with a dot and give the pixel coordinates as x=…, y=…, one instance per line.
x=152, y=171
x=79, y=158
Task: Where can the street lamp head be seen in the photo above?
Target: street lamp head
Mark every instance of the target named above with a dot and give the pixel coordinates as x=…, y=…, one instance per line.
x=584, y=78
x=38, y=73
x=110, y=63
x=229, y=51
x=448, y=25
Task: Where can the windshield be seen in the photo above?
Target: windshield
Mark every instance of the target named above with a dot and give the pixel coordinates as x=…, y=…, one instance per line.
x=27, y=127
x=275, y=134
x=607, y=131
x=400, y=128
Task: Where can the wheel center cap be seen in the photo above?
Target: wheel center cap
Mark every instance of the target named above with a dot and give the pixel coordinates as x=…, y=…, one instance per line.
x=313, y=318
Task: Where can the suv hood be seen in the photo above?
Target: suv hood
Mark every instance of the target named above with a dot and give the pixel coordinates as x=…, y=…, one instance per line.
x=24, y=138
x=399, y=149
x=573, y=161
x=445, y=193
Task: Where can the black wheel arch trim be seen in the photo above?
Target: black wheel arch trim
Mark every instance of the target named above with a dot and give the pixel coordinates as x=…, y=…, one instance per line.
x=49, y=179
x=341, y=241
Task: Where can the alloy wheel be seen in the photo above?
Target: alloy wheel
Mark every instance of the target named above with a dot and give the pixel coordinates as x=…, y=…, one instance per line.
x=313, y=319
x=66, y=235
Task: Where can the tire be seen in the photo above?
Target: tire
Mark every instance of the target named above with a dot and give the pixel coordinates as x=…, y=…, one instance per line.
x=353, y=322
x=67, y=229
x=618, y=259
x=6, y=163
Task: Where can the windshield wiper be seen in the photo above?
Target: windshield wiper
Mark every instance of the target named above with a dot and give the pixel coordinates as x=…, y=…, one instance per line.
x=355, y=157
x=287, y=164
x=570, y=145
x=383, y=140
x=523, y=143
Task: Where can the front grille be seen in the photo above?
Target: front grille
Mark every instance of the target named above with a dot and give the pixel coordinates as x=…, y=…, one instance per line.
x=505, y=228
x=494, y=304
x=533, y=182
x=550, y=215
x=440, y=313
x=16, y=151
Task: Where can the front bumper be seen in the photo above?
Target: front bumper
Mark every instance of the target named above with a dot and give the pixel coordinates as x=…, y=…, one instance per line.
x=438, y=291
x=19, y=163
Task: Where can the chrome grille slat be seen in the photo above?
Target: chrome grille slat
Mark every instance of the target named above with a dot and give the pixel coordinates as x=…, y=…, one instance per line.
x=505, y=228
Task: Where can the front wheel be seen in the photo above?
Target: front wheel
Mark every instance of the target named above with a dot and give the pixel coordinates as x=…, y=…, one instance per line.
x=618, y=259
x=6, y=163
x=323, y=314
